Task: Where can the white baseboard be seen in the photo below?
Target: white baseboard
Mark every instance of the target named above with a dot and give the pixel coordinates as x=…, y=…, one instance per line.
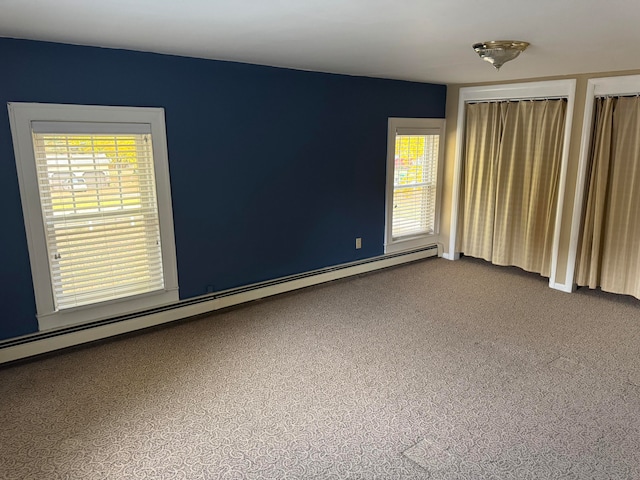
x=451, y=256
x=16, y=349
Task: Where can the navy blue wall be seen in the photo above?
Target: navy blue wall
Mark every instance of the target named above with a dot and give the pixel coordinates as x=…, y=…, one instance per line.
x=273, y=171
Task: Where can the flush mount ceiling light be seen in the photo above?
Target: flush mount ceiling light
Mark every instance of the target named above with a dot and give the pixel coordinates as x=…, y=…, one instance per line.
x=499, y=52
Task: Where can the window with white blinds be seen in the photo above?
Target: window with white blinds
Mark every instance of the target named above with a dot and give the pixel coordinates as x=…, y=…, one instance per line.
x=413, y=171
x=98, y=200
x=101, y=188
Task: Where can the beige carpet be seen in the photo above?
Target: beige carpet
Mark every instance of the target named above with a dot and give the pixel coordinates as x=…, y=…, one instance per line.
x=438, y=370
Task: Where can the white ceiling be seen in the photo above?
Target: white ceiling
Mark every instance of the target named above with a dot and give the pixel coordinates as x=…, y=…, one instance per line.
x=422, y=40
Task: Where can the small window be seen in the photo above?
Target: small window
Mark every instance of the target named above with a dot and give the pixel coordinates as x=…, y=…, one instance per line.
x=96, y=199
x=413, y=172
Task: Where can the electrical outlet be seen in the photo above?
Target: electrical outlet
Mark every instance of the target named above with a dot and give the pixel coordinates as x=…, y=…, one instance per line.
x=358, y=243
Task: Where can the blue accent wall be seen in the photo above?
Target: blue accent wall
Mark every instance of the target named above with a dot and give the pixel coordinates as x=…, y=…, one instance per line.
x=273, y=171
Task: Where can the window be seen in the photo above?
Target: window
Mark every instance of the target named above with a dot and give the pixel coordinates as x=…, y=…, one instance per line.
x=413, y=172
x=96, y=199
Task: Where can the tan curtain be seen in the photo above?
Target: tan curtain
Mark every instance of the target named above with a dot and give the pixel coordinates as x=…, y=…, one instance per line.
x=483, y=132
x=511, y=173
x=609, y=250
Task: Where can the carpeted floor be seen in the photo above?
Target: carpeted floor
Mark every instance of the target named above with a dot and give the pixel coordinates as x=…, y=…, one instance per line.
x=435, y=370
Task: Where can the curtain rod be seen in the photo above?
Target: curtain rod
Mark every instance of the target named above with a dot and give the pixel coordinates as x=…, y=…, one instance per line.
x=618, y=95
x=507, y=100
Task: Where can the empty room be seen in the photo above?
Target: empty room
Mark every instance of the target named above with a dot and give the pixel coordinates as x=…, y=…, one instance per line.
x=320, y=240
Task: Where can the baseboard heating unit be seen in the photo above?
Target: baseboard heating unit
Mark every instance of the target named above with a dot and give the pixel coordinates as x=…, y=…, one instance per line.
x=43, y=342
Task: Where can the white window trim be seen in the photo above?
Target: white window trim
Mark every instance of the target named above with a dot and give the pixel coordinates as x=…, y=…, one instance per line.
x=436, y=126
x=21, y=115
x=596, y=87
x=516, y=91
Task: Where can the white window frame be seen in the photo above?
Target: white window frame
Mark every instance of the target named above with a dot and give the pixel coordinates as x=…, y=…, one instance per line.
x=21, y=115
x=431, y=126
x=516, y=91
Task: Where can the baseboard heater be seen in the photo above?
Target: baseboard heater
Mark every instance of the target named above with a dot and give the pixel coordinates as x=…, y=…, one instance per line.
x=43, y=342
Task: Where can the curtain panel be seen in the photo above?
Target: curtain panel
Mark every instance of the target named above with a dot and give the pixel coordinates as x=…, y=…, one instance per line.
x=609, y=247
x=511, y=171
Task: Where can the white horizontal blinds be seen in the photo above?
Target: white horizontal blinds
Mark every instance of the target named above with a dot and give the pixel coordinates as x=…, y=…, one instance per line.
x=98, y=198
x=414, y=183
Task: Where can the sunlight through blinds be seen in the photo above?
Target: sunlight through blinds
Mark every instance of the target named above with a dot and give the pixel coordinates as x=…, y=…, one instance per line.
x=414, y=184
x=98, y=198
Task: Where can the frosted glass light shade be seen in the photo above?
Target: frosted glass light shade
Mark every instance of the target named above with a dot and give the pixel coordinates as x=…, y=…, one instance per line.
x=499, y=52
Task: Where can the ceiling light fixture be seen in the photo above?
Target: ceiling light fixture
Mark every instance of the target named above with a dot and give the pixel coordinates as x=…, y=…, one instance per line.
x=499, y=52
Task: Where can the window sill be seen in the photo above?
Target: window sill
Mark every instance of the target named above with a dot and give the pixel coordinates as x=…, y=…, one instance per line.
x=410, y=243
x=99, y=311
